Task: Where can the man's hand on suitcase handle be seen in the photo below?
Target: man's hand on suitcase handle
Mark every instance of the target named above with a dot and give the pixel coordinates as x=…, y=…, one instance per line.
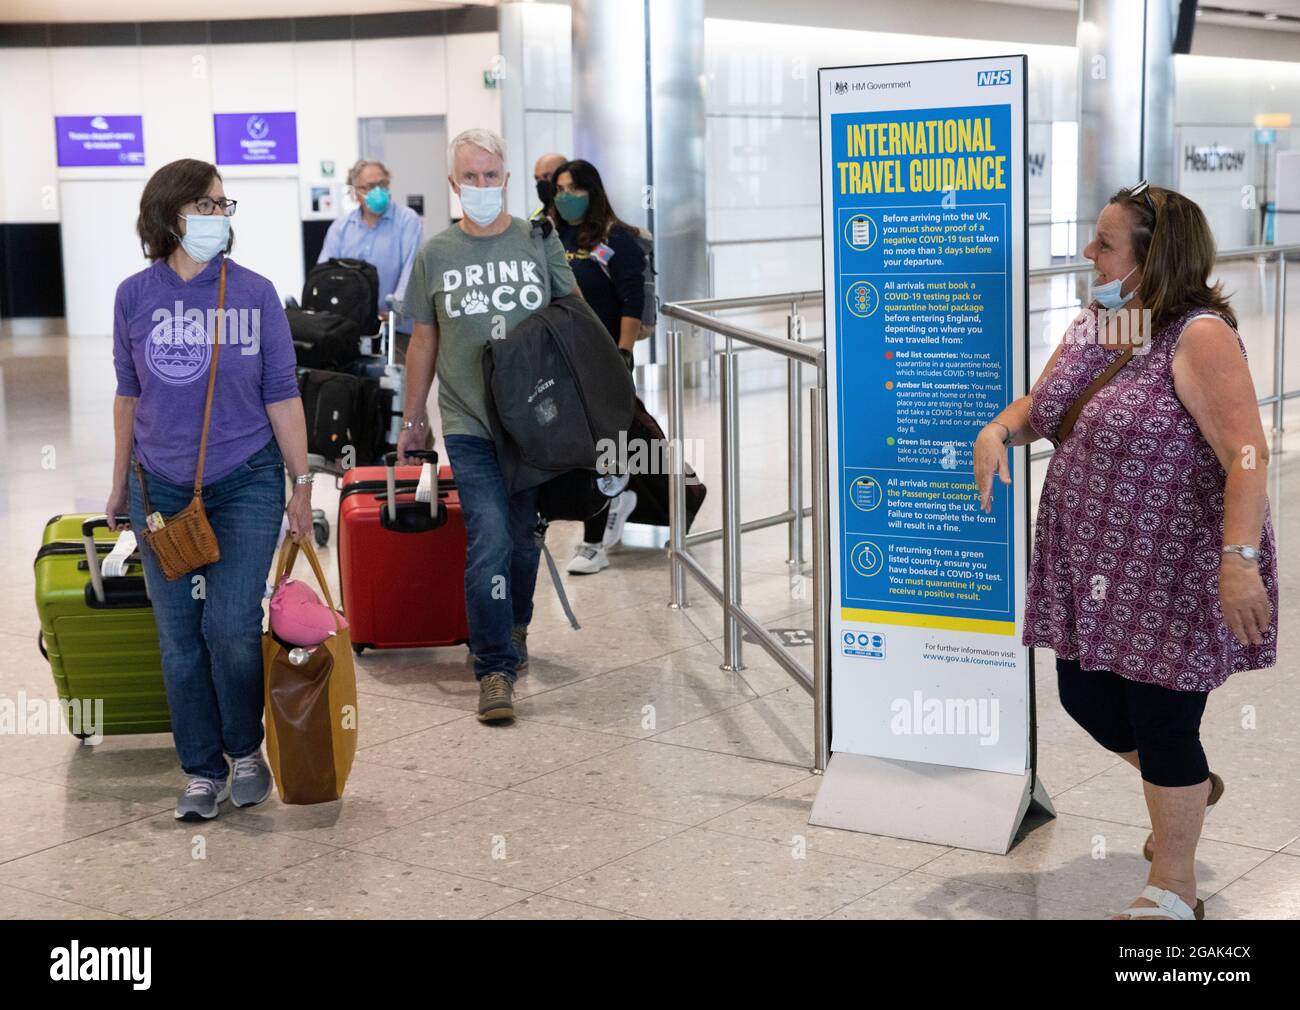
x=410, y=438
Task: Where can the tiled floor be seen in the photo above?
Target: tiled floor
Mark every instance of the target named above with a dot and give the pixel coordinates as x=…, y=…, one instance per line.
x=639, y=780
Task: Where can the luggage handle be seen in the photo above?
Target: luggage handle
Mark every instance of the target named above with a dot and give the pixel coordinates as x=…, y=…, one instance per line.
x=429, y=457
x=390, y=338
x=88, y=541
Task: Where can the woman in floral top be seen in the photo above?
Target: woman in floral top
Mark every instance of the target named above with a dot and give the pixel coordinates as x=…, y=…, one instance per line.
x=1154, y=574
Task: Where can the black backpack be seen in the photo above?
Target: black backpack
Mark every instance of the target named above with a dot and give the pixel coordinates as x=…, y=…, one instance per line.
x=343, y=410
x=347, y=288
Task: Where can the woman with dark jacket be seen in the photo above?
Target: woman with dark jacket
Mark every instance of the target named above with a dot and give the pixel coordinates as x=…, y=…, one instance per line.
x=193, y=310
x=609, y=266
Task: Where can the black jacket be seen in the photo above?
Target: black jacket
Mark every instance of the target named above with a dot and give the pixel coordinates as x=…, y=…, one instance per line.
x=557, y=387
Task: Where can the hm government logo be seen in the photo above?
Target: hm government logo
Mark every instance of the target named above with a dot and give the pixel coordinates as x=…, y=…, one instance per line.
x=257, y=127
x=841, y=87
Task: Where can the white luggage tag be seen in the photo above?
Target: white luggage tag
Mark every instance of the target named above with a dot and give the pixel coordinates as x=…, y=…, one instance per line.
x=114, y=564
x=427, y=489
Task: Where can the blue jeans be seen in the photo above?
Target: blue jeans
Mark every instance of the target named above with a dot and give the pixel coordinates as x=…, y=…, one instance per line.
x=501, y=566
x=211, y=628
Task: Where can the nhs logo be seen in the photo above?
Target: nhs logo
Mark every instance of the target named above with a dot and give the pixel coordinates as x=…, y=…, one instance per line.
x=986, y=78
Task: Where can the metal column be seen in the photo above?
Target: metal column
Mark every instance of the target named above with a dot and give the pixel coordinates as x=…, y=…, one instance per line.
x=1279, y=349
x=1126, y=98
x=676, y=472
x=731, y=533
x=821, y=576
x=794, y=456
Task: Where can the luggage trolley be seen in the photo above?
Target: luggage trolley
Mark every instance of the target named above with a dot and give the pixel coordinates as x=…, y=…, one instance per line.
x=380, y=362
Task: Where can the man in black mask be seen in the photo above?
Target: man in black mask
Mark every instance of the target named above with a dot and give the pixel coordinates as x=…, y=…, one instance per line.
x=544, y=177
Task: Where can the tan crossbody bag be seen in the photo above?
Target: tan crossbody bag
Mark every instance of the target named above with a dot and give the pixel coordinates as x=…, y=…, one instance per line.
x=1076, y=408
x=186, y=540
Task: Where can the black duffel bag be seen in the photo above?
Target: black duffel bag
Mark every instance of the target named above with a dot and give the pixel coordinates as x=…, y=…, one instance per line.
x=323, y=339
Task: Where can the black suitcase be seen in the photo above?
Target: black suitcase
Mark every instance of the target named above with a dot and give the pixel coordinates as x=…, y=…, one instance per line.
x=347, y=287
x=323, y=339
x=652, y=490
x=343, y=410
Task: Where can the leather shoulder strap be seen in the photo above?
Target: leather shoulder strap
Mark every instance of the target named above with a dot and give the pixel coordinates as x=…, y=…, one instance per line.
x=212, y=380
x=1076, y=408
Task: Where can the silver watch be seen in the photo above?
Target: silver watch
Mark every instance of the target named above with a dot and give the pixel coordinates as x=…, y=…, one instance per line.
x=1245, y=550
x=412, y=425
x=305, y=478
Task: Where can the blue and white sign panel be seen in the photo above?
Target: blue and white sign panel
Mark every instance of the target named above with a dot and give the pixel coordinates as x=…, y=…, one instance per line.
x=924, y=243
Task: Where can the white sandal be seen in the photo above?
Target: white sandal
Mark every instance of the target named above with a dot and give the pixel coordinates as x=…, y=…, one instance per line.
x=1167, y=906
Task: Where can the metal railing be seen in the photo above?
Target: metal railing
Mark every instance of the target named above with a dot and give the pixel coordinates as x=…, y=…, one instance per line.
x=729, y=595
x=796, y=349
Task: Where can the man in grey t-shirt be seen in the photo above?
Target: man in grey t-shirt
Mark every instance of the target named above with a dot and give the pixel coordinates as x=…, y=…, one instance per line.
x=471, y=283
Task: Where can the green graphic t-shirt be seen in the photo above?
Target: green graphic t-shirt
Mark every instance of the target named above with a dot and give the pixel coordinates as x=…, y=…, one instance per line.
x=472, y=287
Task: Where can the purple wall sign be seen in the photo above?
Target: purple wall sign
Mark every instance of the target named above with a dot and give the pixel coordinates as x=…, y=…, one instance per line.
x=256, y=138
x=99, y=140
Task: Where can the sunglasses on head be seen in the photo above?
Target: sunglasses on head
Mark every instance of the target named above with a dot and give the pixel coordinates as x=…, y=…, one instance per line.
x=1143, y=189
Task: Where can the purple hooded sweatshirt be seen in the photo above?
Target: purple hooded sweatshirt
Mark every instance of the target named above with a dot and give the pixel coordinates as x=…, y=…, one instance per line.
x=163, y=331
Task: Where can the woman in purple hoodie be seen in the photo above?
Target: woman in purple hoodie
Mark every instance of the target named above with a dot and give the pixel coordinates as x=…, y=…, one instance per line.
x=164, y=342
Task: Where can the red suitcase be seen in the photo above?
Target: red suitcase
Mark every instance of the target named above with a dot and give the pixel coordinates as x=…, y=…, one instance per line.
x=402, y=577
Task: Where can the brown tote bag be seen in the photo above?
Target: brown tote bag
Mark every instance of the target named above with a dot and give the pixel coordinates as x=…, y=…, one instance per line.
x=186, y=540
x=311, y=707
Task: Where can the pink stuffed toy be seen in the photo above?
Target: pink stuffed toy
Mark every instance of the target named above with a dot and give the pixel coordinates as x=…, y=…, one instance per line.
x=298, y=616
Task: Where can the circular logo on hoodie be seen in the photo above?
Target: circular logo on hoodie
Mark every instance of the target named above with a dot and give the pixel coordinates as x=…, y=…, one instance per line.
x=177, y=351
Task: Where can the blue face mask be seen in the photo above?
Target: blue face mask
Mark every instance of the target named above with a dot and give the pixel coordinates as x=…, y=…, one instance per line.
x=482, y=204
x=1108, y=293
x=377, y=200
x=205, y=236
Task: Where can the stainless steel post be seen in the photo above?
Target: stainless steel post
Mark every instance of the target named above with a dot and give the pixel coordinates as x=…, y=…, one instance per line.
x=1279, y=349
x=821, y=577
x=794, y=448
x=677, y=473
x=731, y=653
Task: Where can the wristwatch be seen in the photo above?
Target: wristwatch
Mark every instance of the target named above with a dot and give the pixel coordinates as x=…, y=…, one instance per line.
x=304, y=478
x=412, y=425
x=1245, y=550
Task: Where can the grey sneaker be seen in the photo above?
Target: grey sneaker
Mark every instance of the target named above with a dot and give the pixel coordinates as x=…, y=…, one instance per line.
x=252, y=780
x=519, y=639
x=496, y=698
x=202, y=799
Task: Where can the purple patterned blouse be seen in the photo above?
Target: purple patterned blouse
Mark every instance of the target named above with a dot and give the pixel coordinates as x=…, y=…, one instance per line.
x=1125, y=569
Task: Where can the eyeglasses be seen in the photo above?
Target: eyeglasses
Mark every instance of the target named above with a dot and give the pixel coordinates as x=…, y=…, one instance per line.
x=207, y=205
x=1143, y=189
x=362, y=190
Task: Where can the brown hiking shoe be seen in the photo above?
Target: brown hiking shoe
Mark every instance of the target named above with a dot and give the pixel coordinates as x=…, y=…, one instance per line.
x=496, y=698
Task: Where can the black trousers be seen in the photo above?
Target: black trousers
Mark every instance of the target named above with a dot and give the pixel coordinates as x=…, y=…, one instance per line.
x=1163, y=726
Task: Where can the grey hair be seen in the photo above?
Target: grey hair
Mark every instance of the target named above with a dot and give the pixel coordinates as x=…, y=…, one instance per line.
x=479, y=137
x=355, y=171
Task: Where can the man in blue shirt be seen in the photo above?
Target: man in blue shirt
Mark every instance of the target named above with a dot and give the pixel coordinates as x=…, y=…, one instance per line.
x=379, y=232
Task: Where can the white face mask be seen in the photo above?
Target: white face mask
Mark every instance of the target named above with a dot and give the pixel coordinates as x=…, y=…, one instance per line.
x=1108, y=293
x=482, y=204
x=205, y=235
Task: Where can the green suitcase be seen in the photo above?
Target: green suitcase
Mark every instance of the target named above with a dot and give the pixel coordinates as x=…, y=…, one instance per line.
x=100, y=639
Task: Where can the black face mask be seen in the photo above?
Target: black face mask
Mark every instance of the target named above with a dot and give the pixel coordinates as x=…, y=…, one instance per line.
x=545, y=191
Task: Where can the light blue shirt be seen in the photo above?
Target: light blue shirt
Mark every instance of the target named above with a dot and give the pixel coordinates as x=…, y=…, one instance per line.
x=390, y=246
